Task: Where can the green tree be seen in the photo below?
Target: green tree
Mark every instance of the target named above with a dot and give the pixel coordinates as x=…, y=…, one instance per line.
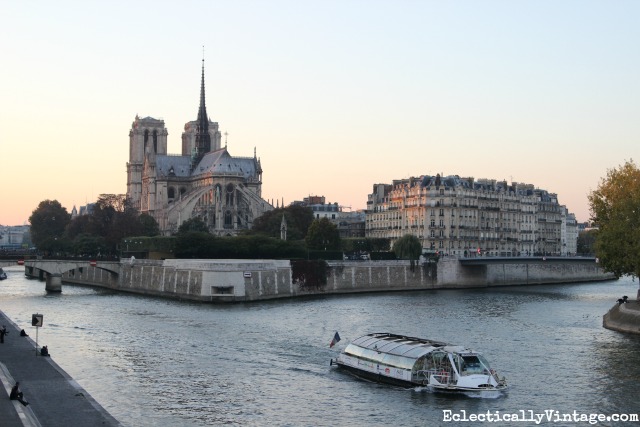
x=111, y=219
x=615, y=211
x=195, y=225
x=586, y=242
x=323, y=235
x=298, y=218
x=408, y=247
x=149, y=226
x=193, y=244
x=89, y=245
x=48, y=222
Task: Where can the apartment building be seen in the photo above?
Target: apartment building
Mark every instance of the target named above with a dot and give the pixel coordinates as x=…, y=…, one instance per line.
x=466, y=217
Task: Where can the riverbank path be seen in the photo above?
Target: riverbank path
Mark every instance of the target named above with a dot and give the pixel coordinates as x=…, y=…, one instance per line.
x=55, y=399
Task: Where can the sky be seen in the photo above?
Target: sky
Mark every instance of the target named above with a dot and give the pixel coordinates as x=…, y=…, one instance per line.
x=334, y=96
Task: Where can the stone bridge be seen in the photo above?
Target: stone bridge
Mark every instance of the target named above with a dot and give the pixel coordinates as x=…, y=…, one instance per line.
x=54, y=269
x=8, y=263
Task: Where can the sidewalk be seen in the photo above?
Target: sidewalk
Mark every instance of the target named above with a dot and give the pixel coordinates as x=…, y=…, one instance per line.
x=55, y=399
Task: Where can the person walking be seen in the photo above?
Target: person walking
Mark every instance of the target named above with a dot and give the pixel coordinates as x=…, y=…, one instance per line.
x=3, y=332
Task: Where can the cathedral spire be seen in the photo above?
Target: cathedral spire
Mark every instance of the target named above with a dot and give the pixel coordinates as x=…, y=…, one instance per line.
x=203, y=139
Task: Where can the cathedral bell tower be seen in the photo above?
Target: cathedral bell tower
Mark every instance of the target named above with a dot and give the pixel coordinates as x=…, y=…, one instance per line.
x=147, y=135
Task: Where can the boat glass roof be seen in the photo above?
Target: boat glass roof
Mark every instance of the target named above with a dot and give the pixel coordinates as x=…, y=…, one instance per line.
x=385, y=343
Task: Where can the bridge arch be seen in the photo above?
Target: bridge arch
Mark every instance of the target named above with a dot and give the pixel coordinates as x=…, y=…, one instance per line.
x=52, y=270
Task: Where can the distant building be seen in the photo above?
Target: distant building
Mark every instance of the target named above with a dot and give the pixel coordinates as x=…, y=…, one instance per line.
x=205, y=181
x=349, y=224
x=464, y=216
x=569, y=233
x=84, y=210
x=14, y=237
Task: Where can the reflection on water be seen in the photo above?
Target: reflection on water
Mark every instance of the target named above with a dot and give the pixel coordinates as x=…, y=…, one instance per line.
x=153, y=361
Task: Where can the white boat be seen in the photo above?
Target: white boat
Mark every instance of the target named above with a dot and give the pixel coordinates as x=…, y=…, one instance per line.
x=415, y=362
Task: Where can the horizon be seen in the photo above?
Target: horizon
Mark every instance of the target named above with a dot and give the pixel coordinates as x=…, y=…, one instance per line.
x=334, y=98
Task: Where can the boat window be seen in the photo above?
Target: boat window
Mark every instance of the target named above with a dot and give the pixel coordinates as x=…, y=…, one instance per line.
x=468, y=365
x=438, y=360
x=372, y=355
x=417, y=351
x=398, y=361
x=388, y=347
x=354, y=350
x=484, y=362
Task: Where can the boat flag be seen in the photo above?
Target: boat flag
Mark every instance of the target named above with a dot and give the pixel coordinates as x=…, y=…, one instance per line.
x=335, y=339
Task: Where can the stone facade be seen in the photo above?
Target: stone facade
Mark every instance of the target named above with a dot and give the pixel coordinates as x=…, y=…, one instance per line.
x=464, y=216
x=205, y=181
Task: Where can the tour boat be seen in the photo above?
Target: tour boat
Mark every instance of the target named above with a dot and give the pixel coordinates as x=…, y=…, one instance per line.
x=415, y=362
x=3, y=275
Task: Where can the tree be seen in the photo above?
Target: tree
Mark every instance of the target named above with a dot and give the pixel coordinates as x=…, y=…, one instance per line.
x=48, y=223
x=88, y=245
x=149, y=226
x=323, y=235
x=408, y=246
x=615, y=211
x=112, y=218
x=298, y=218
x=195, y=225
x=586, y=242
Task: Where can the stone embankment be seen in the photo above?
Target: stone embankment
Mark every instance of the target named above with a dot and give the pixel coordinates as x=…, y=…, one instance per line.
x=252, y=280
x=623, y=317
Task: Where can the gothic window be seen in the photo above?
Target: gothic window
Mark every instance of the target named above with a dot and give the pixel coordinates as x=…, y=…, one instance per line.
x=171, y=193
x=146, y=139
x=230, y=193
x=155, y=141
x=228, y=220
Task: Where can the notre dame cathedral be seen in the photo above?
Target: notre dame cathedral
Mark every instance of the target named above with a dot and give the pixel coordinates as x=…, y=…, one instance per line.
x=204, y=182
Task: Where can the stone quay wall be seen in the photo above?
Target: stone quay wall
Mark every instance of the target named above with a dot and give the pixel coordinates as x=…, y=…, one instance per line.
x=253, y=280
x=623, y=318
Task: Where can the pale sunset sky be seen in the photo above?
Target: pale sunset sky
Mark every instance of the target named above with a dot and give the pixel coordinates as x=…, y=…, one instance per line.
x=334, y=96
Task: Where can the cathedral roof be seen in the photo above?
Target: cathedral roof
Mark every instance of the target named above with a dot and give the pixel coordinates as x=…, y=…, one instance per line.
x=218, y=162
x=179, y=166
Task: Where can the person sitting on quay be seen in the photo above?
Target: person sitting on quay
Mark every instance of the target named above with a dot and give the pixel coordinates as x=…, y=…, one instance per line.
x=23, y=333
x=44, y=351
x=16, y=394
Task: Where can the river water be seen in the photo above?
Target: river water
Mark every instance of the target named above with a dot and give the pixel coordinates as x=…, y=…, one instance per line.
x=159, y=362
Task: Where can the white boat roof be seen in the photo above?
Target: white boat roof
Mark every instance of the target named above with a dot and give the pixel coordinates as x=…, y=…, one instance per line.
x=401, y=345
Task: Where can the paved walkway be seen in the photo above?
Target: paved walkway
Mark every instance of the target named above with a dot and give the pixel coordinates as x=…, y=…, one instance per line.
x=55, y=399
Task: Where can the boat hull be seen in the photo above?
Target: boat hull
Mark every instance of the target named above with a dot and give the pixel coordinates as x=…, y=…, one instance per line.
x=376, y=377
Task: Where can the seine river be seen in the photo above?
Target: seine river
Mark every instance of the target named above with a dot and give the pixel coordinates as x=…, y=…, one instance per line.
x=158, y=362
